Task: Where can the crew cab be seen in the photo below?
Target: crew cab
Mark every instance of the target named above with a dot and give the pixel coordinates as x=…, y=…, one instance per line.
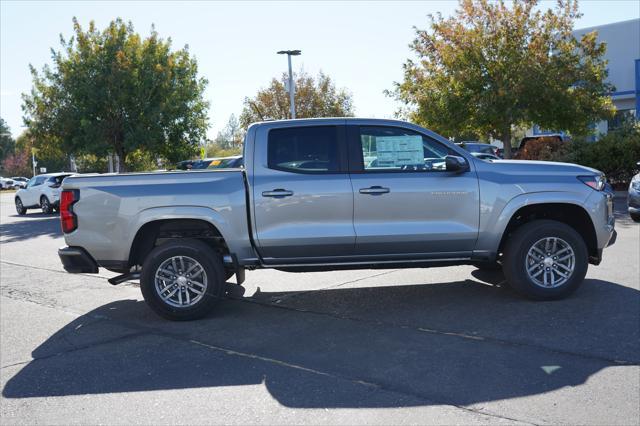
x=321, y=194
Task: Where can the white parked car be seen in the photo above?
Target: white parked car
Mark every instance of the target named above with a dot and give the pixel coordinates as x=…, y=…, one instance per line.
x=42, y=191
x=20, y=182
x=6, y=183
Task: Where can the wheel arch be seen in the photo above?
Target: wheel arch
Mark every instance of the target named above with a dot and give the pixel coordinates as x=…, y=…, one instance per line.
x=157, y=232
x=569, y=213
x=176, y=222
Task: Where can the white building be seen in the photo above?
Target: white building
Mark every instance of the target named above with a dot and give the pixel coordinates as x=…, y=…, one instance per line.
x=623, y=54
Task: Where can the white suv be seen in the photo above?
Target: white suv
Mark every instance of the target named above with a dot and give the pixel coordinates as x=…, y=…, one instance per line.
x=42, y=191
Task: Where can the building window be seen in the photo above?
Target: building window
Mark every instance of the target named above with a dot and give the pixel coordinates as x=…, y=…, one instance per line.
x=620, y=117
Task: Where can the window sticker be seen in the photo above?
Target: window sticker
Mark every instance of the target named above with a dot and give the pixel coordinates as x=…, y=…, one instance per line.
x=398, y=151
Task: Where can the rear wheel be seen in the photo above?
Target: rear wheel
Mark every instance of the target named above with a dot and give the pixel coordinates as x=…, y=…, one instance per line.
x=182, y=280
x=545, y=260
x=20, y=208
x=45, y=205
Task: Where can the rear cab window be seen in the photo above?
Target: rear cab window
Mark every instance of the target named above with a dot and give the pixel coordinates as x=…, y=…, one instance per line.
x=312, y=149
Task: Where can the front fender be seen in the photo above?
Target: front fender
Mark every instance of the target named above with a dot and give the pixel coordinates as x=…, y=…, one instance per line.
x=494, y=222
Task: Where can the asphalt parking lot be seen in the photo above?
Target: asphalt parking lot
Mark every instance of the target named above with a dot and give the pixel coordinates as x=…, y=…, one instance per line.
x=442, y=345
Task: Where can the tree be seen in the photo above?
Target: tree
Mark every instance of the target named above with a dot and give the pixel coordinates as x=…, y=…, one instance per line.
x=17, y=164
x=112, y=91
x=7, y=144
x=491, y=68
x=231, y=136
x=314, y=97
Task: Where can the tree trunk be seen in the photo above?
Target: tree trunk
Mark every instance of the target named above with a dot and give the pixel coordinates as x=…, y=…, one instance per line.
x=122, y=160
x=506, y=140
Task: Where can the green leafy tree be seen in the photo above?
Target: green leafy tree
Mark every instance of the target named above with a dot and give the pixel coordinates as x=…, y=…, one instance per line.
x=113, y=91
x=314, y=97
x=7, y=144
x=493, y=67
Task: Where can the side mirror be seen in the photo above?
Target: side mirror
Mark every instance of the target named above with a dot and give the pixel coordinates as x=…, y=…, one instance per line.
x=456, y=164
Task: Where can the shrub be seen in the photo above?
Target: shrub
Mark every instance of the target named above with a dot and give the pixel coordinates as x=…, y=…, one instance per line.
x=615, y=154
x=545, y=149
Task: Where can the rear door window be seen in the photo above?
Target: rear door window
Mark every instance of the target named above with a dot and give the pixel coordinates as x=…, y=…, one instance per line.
x=313, y=149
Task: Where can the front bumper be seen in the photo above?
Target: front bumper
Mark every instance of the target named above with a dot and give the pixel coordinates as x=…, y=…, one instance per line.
x=76, y=260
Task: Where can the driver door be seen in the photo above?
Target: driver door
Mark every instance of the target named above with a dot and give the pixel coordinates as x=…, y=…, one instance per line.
x=405, y=201
x=31, y=195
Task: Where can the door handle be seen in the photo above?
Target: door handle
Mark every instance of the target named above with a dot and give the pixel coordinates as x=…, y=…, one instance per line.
x=277, y=193
x=375, y=190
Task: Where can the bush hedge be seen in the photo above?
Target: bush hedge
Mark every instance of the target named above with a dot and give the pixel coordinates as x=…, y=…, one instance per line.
x=615, y=153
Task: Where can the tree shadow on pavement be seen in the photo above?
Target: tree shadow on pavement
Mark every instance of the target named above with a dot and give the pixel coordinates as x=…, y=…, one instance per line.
x=389, y=346
x=31, y=226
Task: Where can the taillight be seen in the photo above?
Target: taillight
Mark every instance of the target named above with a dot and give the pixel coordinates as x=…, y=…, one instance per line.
x=68, y=218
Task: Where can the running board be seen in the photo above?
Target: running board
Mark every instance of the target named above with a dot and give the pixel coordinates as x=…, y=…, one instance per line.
x=369, y=262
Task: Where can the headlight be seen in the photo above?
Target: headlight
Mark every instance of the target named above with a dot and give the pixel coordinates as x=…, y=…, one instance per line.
x=596, y=182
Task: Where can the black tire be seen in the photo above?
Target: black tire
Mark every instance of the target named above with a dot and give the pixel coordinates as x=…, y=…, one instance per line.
x=635, y=217
x=523, y=239
x=488, y=266
x=20, y=208
x=45, y=205
x=198, y=251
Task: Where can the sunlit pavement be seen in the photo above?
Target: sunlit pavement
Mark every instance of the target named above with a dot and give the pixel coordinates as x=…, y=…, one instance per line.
x=442, y=345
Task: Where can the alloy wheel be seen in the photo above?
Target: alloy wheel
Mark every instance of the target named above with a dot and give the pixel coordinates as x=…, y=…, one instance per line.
x=181, y=281
x=550, y=262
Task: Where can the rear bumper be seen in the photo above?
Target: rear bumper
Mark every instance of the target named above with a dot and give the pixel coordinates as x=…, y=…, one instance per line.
x=76, y=260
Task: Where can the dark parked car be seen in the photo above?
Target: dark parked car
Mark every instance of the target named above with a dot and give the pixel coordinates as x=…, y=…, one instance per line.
x=227, y=163
x=483, y=156
x=479, y=147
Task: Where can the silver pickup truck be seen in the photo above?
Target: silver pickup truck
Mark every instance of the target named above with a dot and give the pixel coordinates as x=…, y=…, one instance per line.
x=323, y=194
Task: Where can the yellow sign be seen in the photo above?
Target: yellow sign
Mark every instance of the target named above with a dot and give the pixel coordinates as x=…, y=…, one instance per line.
x=202, y=153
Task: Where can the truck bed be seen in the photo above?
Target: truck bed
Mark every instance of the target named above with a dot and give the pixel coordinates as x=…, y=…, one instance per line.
x=113, y=207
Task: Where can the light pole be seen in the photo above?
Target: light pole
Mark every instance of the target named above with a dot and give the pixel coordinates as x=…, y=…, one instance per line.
x=289, y=54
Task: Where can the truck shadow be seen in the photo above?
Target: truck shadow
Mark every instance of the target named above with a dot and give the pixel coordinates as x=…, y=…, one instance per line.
x=389, y=346
x=31, y=226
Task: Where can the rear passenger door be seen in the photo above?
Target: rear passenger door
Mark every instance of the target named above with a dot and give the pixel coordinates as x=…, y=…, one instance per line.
x=302, y=194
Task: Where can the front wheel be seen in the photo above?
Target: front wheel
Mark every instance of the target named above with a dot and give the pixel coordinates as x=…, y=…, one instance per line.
x=20, y=209
x=545, y=260
x=182, y=280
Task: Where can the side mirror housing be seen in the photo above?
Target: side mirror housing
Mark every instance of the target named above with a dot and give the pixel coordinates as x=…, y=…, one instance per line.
x=455, y=163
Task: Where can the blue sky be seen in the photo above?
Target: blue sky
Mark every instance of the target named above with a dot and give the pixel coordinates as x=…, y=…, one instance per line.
x=361, y=45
